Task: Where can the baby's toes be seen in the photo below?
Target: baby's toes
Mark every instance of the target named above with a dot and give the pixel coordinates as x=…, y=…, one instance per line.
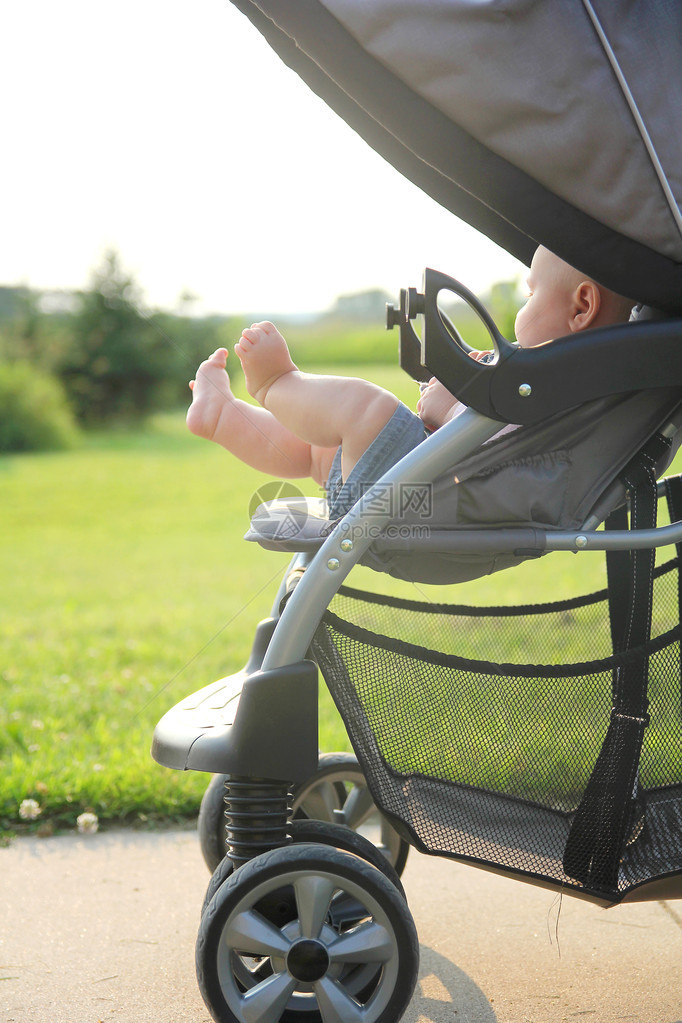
x=251, y=335
x=218, y=358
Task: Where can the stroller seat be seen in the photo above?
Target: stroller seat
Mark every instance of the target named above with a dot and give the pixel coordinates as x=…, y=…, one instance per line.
x=234, y=727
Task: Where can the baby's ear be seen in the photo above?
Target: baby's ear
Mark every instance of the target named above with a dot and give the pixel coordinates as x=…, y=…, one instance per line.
x=585, y=306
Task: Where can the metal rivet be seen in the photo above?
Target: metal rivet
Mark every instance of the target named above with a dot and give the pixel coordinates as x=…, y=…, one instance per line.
x=346, y=545
x=333, y=564
x=525, y=390
x=581, y=541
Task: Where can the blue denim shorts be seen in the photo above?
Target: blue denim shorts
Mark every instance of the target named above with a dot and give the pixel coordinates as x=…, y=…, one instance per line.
x=402, y=433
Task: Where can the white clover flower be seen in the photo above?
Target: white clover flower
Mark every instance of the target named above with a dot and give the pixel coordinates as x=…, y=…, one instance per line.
x=29, y=810
x=87, y=823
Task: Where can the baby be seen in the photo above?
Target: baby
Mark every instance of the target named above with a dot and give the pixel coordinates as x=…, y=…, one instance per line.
x=345, y=432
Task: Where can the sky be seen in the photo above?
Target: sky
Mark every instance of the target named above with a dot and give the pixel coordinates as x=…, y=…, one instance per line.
x=171, y=132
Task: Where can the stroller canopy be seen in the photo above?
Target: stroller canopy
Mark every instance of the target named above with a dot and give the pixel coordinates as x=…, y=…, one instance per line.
x=551, y=123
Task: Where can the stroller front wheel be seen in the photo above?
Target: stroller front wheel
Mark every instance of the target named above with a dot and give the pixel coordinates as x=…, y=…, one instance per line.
x=334, y=835
x=271, y=947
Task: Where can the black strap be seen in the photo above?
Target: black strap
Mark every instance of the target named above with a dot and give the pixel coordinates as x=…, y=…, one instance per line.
x=673, y=492
x=618, y=576
x=608, y=811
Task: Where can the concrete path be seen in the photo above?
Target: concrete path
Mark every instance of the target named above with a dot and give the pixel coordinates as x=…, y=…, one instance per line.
x=102, y=928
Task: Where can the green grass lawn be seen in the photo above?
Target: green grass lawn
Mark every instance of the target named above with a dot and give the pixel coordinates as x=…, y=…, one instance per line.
x=127, y=586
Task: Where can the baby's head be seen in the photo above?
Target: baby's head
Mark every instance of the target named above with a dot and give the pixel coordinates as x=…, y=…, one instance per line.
x=563, y=301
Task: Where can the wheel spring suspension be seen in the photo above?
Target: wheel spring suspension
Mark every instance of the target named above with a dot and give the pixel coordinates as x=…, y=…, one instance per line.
x=257, y=811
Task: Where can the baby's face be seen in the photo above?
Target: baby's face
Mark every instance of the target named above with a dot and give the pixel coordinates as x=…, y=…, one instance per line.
x=545, y=314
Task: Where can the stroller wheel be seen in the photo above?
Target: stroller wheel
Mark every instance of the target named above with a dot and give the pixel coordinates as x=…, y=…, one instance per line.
x=335, y=835
x=338, y=793
x=271, y=946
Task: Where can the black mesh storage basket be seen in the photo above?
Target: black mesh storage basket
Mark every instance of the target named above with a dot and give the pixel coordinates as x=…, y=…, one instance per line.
x=478, y=728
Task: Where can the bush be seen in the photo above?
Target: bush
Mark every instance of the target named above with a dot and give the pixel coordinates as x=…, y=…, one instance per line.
x=34, y=414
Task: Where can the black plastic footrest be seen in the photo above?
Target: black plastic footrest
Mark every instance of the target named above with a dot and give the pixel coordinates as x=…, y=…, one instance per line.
x=259, y=725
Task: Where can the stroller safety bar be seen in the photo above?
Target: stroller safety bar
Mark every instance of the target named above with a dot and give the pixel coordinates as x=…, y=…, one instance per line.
x=525, y=386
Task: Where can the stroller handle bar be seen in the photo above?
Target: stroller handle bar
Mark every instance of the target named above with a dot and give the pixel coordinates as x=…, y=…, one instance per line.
x=524, y=386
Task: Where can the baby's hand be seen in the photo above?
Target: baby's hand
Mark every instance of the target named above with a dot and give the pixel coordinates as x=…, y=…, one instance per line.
x=436, y=406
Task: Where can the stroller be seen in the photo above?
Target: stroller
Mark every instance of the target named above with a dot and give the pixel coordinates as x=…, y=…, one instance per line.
x=452, y=710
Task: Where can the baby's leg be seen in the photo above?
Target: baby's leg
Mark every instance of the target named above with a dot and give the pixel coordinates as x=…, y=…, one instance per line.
x=324, y=411
x=251, y=433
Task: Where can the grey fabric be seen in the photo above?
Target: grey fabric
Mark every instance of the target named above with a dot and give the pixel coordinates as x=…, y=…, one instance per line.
x=548, y=122
x=533, y=82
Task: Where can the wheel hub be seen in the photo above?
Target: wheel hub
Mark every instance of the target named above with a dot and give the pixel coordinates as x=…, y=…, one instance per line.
x=307, y=960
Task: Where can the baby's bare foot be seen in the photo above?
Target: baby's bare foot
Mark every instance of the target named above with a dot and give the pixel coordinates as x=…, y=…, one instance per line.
x=211, y=396
x=264, y=357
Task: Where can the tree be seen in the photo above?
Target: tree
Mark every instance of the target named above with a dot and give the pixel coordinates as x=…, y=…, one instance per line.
x=118, y=363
